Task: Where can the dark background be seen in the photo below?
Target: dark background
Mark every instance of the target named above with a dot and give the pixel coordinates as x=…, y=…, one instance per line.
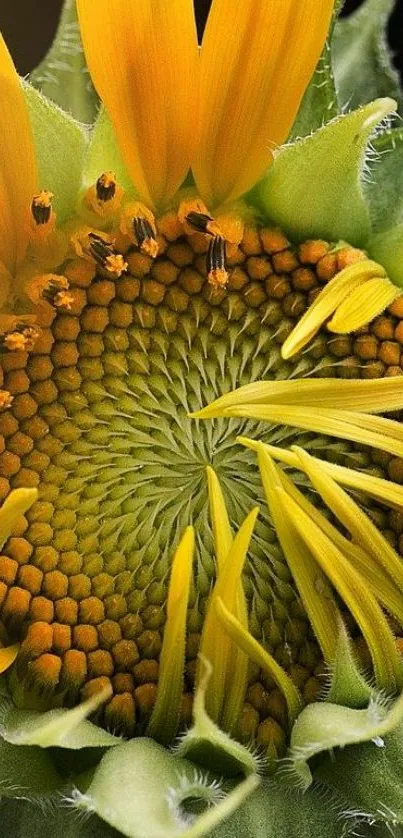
x=28, y=27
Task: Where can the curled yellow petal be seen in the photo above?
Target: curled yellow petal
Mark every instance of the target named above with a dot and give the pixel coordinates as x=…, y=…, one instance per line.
x=326, y=303
x=143, y=60
x=18, y=175
x=17, y=503
x=355, y=593
x=261, y=657
x=257, y=59
x=164, y=721
x=363, y=304
x=8, y=655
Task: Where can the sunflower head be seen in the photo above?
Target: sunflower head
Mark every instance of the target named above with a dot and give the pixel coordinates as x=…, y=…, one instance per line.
x=200, y=346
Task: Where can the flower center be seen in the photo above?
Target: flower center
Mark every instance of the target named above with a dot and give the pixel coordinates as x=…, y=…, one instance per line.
x=99, y=422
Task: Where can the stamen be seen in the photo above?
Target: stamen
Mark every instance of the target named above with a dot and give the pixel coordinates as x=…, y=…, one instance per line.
x=53, y=288
x=145, y=235
x=6, y=400
x=106, y=187
x=41, y=207
x=21, y=339
x=217, y=273
x=106, y=256
x=202, y=222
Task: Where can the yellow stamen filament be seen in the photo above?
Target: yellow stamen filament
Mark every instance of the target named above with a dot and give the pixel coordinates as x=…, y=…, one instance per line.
x=362, y=529
x=164, y=721
x=377, y=487
x=328, y=301
x=256, y=653
x=363, y=305
x=22, y=339
x=237, y=665
x=310, y=580
x=369, y=396
x=215, y=645
x=355, y=593
x=17, y=504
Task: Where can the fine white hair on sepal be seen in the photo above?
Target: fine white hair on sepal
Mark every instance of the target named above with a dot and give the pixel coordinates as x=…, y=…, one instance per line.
x=200, y=787
x=80, y=803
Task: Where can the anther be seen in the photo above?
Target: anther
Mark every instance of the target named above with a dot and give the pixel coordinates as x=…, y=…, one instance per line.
x=217, y=273
x=6, y=399
x=41, y=207
x=106, y=256
x=106, y=187
x=145, y=235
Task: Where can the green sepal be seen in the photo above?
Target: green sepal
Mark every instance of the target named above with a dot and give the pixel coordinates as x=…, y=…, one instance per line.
x=24, y=820
x=347, y=685
x=57, y=728
x=207, y=745
x=62, y=75
x=321, y=727
x=362, y=61
x=314, y=188
x=104, y=154
x=140, y=788
x=384, y=187
x=60, y=146
x=369, y=778
x=26, y=772
x=387, y=249
x=276, y=810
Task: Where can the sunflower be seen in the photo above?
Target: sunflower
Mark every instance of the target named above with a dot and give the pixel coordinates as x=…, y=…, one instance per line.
x=201, y=337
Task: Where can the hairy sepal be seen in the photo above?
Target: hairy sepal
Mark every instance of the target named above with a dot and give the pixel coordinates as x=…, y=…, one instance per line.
x=314, y=186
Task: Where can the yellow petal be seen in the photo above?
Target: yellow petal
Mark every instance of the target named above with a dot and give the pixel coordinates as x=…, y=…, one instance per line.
x=362, y=529
x=257, y=59
x=215, y=644
x=385, y=434
x=355, y=593
x=376, y=487
x=331, y=296
x=379, y=395
x=237, y=663
x=381, y=584
x=18, y=176
x=164, y=721
x=143, y=59
x=363, y=304
x=309, y=579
